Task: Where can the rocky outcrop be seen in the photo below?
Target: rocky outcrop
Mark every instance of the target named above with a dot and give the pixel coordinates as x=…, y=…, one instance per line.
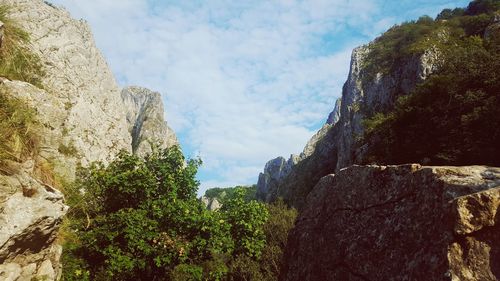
x=30, y=213
x=146, y=124
x=336, y=144
x=82, y=119
x=399, y=223
x=278, y=169
x=211, y=204
x=79, y=77
x=274, y=172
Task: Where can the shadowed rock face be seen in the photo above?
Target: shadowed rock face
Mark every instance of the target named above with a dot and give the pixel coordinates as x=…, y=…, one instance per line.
x=399, y=223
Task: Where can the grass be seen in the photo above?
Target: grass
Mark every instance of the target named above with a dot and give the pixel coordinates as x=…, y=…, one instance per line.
x=18, y=130
x=17, y=62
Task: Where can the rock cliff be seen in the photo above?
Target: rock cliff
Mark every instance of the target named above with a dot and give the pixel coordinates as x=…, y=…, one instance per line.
x=84, y=116
x=335, y=145
x=399, y=223
x=278, y=169
x=146, y=124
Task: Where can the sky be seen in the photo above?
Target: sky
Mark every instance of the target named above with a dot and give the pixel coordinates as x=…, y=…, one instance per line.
x=242, y=81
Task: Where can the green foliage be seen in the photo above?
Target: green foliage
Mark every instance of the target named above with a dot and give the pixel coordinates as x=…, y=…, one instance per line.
x=402, y=42
x=18, y=129
x=389, y=51
x=187, y=272
x=281, y=221
x=451, y=118
x=222, y=194
x=246, y=220
x=17, y=62
x=139, y=219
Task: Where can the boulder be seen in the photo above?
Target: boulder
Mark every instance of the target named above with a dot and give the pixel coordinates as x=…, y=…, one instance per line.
x=403, y=222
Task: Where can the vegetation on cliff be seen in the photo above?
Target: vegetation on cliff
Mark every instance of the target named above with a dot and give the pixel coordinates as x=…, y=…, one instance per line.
x=17, y=62
x=452, y=117
x=18, y=130
x=139, y=219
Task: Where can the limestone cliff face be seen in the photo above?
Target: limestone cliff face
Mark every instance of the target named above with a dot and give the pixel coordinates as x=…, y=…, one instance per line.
x=146, y=124
x=399, y=223
x=335, y=145
x=278, y=169
x=84, y=117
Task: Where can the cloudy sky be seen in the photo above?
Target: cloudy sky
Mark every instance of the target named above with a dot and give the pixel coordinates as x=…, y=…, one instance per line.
x=242, y=81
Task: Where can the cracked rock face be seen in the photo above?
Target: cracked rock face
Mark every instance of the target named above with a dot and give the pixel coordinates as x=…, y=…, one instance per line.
x=399, y=223
x=335, y=145
x=146, y=124
x=83, y=119
x=31, y=212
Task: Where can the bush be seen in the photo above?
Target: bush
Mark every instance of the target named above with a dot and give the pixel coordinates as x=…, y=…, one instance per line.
x=139, y=219
x=17, y=62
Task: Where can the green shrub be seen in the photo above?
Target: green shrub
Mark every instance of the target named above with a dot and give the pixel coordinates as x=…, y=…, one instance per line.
x=17, y=62
x=452, y=118
x=139, y=219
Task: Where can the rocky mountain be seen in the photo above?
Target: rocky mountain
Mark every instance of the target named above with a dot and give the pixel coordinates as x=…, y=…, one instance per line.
x=278, y=169
x=146, y=124
x=84, y=116
x=334, y=146
x=404, y=222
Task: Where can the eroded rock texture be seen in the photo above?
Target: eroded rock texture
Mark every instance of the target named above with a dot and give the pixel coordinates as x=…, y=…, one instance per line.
x=30, y=214
x=399, y=223
x=335, y=145
x=82, y=119
x=145, y=119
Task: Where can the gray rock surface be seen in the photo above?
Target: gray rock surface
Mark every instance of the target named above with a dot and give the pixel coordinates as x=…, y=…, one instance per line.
x=276, y=170
x=79, y=77
x=30, y=214
x=211, y=204
x=145, y=119
x=335, y=145
x=399, y=223
x=83, y=118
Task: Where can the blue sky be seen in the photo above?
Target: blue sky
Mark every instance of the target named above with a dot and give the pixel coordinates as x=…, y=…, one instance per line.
x=242, y=81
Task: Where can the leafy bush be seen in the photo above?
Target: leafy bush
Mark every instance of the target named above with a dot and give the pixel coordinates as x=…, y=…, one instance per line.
x=139, y=219
x=281, y=221
x=246, y=220
x=17, y=62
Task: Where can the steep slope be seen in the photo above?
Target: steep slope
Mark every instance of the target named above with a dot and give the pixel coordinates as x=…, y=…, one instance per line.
x=389, y=79
x=81, y=116
x=278, y=169
x=335, y=145
x=399, y=223
x=146, y=124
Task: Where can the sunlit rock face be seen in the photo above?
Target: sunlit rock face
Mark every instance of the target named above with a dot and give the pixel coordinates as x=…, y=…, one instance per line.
x=399, y=223
x=84, y=117
x=335, y=145
x=145, y=119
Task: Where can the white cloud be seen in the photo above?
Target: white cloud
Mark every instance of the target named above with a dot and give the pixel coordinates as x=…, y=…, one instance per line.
x=243, y=81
